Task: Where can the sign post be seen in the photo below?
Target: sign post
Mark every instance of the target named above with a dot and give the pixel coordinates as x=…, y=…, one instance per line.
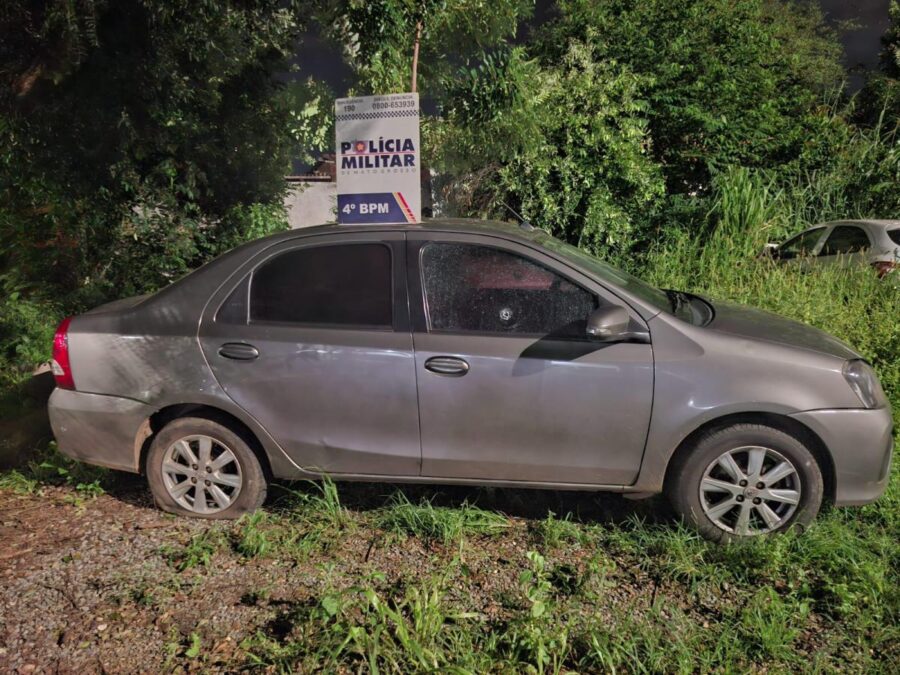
x=378, y=161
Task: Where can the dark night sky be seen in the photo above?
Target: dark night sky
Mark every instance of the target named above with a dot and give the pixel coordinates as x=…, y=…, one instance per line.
x=861, y=46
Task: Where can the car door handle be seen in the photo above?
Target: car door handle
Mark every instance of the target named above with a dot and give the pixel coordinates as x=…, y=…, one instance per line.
x=447, y=365
x=239, y=351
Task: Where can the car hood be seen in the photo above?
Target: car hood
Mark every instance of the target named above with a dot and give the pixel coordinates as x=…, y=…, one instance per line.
x=757, y=324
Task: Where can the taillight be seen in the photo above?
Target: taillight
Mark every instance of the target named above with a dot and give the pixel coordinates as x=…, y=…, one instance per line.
x=884, y=267
x=62, y=369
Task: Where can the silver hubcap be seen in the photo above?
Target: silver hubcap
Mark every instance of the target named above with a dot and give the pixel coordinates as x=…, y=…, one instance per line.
x=750, y=490
x=201, y=474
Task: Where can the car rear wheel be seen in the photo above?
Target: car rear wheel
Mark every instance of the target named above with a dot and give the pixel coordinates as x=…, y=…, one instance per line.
x=744, y=481
x=198, y=467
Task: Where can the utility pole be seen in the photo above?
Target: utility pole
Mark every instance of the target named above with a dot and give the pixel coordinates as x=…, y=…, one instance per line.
x=425, y=175
x=415, y=63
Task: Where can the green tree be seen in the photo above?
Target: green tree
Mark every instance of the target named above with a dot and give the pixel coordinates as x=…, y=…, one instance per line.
x=566, y=144
x=726, y=81
x=612, y=118
x=890, y=54
x=137, y=135
x=878, y=104
x=377, y=36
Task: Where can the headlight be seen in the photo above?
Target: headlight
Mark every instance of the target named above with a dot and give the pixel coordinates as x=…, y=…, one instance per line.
x=863, y=380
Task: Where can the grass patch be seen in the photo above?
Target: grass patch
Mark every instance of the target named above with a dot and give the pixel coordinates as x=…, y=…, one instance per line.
x=380, y=627
x=19, y=482
x=51, y=468
x=553, y=532
x=303, y=521
x=198, y=552
x=437, y=523
x=372, y=628
x=319, y=504
x=252, y=537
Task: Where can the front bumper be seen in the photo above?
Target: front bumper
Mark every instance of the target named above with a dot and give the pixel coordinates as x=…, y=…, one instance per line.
x=860, y=443
x=98, y=429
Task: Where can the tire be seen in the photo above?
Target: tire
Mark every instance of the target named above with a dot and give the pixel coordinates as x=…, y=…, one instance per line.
x=706, y=489
x=177, y=468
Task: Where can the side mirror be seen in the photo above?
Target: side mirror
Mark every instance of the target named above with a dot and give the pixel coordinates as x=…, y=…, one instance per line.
x=609, y=323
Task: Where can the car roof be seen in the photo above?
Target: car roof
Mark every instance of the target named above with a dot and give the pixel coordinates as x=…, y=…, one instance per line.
x=206, y=278
x=885, y=224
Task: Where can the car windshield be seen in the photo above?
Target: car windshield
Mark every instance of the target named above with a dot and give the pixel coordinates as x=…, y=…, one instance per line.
x=606, y=272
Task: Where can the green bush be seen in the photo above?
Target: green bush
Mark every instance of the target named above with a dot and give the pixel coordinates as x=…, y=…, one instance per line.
x=748, y=209
x=26, y=332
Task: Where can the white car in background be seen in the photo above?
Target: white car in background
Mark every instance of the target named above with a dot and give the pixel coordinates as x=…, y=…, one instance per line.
x=844, y=242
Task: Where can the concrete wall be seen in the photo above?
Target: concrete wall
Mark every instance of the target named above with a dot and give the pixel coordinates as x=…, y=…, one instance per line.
x=311, y=203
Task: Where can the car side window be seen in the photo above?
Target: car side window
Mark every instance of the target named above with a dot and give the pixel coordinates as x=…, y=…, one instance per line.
x=473, y=288
x=845, y=239
x=801, y=245
x=338, y=285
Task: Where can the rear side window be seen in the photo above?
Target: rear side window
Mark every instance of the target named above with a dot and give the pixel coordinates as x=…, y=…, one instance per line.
x=845, y=239
x=342, y=285
x=470, y=288
x=894, y=235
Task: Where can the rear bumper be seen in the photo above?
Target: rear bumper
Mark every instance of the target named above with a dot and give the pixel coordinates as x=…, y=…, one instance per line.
x=98, y=429
x=860, y=442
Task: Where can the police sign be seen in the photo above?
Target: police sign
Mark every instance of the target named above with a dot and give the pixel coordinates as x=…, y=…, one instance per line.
x=378, y=176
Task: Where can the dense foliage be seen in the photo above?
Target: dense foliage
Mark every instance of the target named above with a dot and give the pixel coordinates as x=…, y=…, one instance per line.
x=137, y=138
x=611, y=120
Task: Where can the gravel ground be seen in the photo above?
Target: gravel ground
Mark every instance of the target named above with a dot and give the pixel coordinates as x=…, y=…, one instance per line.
x=87, y=585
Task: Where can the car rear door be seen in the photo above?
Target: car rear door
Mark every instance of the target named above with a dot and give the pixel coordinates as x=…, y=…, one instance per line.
x=845, y=245
x=312, y=339
x=510, y=387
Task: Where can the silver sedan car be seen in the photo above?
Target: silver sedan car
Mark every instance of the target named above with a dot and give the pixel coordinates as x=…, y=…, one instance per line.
x=845, y=243
x=468, y=353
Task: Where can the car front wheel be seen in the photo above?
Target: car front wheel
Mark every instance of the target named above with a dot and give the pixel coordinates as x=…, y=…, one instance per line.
x=745, y=480
x=198, y=467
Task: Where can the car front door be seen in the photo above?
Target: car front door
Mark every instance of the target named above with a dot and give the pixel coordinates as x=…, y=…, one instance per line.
x=510, y=387
x=800, y=249
x=313, y=341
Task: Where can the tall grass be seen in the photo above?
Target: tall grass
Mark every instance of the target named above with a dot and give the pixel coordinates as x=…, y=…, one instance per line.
x=303, y=521
x=437, y=523
x=722, y=262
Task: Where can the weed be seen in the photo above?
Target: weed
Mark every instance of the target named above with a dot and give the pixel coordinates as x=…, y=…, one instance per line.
x=193, y=650
x=50, y=467
x=19, y=483
x=437, y=523
x=197, y=552
x=411, y=631
x=552, y=532
x=770, y=623
x=321, y=505
x=252, y=539
x=143, y=595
